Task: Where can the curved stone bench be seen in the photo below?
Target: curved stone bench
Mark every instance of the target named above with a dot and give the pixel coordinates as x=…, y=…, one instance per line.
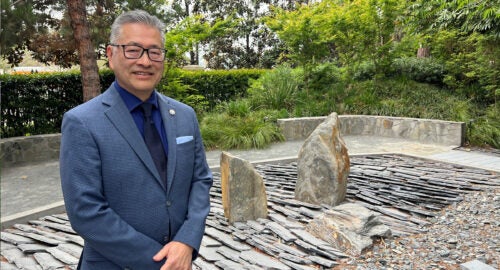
x=41, y=148
x=421, y=130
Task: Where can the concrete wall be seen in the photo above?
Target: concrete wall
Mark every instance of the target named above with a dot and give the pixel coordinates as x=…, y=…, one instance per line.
x=40, y=148
x=421, y=130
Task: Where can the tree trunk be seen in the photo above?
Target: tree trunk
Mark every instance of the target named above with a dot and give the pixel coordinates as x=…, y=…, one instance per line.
x=423, y=52
x=88, y=63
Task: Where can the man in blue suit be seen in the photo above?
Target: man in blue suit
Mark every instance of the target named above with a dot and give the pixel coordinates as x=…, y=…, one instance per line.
x=131, y=213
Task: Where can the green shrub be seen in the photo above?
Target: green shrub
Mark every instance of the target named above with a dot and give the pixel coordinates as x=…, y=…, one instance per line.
x=471, y=63
x=323, y=76
x=238, y=108
x=225, y=131
x=364, y=71
x=484, y=131
x=426, y=70
x=218, y=86
x=275, y=89
x=405, y=98
x=34, y=103
x=172, y=85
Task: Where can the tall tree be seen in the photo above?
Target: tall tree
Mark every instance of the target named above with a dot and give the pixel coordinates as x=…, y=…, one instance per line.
x=181, y=12
x=88, y=62
x=26, y=24
x=21, y=22
x=347, y=31
x=249, y=44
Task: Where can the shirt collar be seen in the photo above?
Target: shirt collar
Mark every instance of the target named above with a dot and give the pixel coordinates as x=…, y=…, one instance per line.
x=131, y=101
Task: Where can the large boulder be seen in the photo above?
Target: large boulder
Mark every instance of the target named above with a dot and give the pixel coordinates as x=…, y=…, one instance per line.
x=323, y=165
x=243, y=191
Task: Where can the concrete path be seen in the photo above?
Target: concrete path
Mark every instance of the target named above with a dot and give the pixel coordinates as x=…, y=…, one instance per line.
x=33, y=191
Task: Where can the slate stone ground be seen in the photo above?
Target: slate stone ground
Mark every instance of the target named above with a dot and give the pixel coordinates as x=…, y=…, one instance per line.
x=279, y=241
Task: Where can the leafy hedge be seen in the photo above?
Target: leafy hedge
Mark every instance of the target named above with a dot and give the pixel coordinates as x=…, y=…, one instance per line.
x=34, y=104
x=218, y=86
x=426, y=70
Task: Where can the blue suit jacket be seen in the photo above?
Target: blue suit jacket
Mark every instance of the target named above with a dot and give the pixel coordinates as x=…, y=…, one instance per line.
x=113, y=193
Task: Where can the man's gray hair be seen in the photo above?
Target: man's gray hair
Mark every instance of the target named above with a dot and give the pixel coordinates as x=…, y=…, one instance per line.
x=136, y=16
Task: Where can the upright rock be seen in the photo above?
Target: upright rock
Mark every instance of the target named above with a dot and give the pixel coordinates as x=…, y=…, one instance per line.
x=243, y=191
x=323, y=165
x=349, y=227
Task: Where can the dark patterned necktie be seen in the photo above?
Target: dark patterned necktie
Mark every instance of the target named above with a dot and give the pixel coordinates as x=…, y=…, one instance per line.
x=153, y=141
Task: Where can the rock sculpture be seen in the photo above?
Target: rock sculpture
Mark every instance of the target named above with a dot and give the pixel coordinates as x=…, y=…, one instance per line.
x=243, y=191
x=349, y=227
x=323, y=165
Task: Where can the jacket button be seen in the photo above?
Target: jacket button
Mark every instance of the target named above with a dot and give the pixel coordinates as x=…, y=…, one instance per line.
x=169, y=203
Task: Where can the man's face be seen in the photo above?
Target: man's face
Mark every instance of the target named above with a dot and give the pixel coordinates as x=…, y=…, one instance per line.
x=138, y=76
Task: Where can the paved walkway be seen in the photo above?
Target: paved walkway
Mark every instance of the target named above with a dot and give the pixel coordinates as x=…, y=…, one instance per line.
x=29, y=192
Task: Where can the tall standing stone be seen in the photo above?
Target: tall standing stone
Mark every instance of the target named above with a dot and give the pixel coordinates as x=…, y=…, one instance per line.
x=243, y=191
x=323, y=165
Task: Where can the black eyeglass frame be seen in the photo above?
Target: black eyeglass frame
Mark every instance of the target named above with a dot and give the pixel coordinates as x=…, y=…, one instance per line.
x=164, y=51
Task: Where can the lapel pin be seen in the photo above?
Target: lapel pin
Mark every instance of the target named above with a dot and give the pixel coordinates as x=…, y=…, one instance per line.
x=171, y=112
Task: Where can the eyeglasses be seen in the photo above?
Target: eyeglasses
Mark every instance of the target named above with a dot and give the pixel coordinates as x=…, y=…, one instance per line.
x=136, y=52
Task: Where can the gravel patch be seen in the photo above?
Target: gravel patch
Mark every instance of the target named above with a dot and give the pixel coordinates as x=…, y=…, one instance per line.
x=463, y=232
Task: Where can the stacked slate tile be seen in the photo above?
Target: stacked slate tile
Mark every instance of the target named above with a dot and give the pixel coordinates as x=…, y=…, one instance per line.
x=405, y=191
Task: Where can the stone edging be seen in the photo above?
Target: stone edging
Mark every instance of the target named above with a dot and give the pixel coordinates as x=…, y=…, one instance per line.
x=416, y=129
x=40, y=148
x=30, y=149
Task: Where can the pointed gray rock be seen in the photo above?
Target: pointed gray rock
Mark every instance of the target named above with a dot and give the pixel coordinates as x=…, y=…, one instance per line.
x=323, y=165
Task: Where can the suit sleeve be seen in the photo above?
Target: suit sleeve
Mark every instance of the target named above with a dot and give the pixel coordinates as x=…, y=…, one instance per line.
x=193, y=228
x=87, y=208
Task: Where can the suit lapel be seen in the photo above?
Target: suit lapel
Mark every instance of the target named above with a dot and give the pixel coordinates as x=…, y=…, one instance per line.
x=169, y=121
x=120, y=116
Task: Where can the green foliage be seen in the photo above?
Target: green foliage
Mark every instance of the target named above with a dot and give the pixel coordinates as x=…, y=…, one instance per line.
x=327, y=92
x=301, y=30
x=237, y=108
x=236, y=126
x=31, y=26
x=427, y=70
x=218, y=86
x=283, y=88
x=323, y=75
x=471, y=64
x=172, y=85
x=22, y=23
x=463, y=35
x=467, y=16
x=350, y=31
x=403, y=97
x=485, y=130
x=34, y=104
x=275, y=89
x=364, y=71
x=190, y=32
x=249, y=44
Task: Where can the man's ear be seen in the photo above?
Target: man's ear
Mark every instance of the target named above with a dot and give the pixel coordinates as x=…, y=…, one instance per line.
x=109, y=54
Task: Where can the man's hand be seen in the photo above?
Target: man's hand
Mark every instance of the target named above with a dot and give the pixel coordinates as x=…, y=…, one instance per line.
x=178, y=256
